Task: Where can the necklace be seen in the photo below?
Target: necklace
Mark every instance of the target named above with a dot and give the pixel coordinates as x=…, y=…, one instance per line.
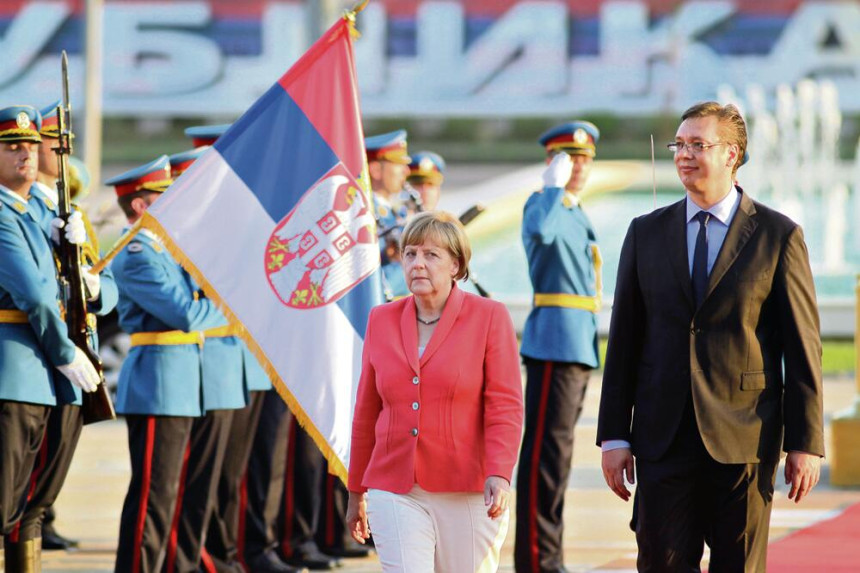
x=428, y=322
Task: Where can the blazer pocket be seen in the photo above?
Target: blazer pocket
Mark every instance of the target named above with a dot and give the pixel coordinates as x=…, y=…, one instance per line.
x=756, y=380
x=752, y=276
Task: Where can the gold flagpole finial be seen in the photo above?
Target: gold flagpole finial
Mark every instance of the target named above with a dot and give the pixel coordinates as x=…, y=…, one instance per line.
x=356, y=8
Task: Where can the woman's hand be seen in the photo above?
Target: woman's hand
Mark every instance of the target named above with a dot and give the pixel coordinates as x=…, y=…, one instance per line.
x=497, y=495
x=356, y=517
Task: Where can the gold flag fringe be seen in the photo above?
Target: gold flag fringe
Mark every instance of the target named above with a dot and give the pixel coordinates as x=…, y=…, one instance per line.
x=336, y=466
x=117, y=247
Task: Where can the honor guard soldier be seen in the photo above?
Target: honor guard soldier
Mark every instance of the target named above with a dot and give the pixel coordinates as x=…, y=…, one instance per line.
x=388, y=167
x=426, y=174
x=66, y=420
x=34, y=340
x=223, y=547
x=160, y=387
x=559, y=345
x=206, y=135
x=223, y=394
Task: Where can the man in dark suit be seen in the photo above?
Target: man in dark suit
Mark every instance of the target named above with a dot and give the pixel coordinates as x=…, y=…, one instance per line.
x=714, y=362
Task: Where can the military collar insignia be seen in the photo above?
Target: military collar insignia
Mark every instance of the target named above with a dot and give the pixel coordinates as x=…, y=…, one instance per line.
x=50, y=204
x=13, y=200
x=570, y=200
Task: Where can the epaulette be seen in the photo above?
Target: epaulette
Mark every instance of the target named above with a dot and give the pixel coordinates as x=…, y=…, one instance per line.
x=50, y=204
x=136, y=246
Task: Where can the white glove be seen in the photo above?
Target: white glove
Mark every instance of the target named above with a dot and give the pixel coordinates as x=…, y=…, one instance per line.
x=92, y=282
x=557, y=173
x=75, y=233
x=81, y=372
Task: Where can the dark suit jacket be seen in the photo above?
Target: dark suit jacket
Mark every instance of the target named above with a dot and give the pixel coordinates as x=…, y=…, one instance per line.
x=758, y=314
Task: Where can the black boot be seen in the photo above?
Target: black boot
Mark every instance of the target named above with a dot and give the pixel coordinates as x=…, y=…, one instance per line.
x=269, y=562
x=52, y=541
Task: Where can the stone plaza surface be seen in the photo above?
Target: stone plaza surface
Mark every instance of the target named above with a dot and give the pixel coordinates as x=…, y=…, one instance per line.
x=596, y=533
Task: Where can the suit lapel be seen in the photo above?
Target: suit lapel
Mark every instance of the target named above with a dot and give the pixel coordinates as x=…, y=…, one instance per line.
x=443, y=329
x=409, y=333
x=675, y=239
x=741, y=229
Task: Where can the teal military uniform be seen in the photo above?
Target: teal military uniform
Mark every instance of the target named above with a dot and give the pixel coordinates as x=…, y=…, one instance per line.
x=33, y=337
x=157, y=295
x=161, y=388
x=47, y=210
x=560, y=246
x=559, y=348
x=29, y=351
x=255, y=376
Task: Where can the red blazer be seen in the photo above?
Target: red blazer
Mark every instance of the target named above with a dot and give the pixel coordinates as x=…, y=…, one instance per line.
x=447, y=421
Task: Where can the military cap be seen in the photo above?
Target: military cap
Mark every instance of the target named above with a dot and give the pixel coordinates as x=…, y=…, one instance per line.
x=179, y=162
x=50, y=125
x=388, y=147
x=79, y=178
x=20, y=123
x=573, y=137
x=427, y=166
x=154, y=176
x=206, y=134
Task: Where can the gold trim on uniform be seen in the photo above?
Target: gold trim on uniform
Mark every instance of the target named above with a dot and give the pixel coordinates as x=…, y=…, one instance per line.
x=13, y=316
x=167, y=338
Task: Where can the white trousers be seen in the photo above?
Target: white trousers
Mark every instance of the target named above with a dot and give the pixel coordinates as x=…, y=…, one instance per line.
x=425, y=532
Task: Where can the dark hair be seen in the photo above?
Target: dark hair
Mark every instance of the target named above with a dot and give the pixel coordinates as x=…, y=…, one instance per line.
x=733, y=129
x=125, y=201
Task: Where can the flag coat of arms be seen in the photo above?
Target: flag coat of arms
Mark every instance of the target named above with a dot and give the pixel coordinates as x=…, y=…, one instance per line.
x=276, y=223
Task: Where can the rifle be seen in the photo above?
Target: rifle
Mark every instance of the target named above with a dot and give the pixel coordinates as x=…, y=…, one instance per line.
x=465, y=218
x=97, y=405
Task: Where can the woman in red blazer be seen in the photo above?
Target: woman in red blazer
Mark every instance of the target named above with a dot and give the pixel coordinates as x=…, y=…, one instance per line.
x=438, y=415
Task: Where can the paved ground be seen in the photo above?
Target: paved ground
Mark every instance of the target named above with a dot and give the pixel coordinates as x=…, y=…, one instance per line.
x=596, y=537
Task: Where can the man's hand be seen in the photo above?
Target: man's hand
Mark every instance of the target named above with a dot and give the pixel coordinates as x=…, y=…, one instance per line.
x=75, y=232
x=92, y=282
x=615, y=463
x=802, y=471
x=557, y=173
x=81, y=372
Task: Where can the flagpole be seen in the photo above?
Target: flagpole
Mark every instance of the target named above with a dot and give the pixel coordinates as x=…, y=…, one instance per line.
x=117, y=247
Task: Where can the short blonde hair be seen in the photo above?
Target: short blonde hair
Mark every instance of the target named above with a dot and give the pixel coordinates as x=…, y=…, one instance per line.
x=444, y=229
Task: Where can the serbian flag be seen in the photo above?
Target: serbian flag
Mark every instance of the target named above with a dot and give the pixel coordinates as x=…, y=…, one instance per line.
x=275, y=222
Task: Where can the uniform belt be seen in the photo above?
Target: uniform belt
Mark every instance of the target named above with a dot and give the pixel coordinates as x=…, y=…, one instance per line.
x=221, y=332
x=167, y=338
x=20, y=317
x=565, y=300
x=13, y=316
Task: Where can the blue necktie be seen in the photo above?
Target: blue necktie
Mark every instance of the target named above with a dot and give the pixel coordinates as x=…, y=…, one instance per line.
x=700, y=259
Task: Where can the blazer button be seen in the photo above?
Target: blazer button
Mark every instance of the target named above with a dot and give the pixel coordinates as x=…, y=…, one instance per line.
x=414, y=431
x=414, y=405
x=415, y=380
